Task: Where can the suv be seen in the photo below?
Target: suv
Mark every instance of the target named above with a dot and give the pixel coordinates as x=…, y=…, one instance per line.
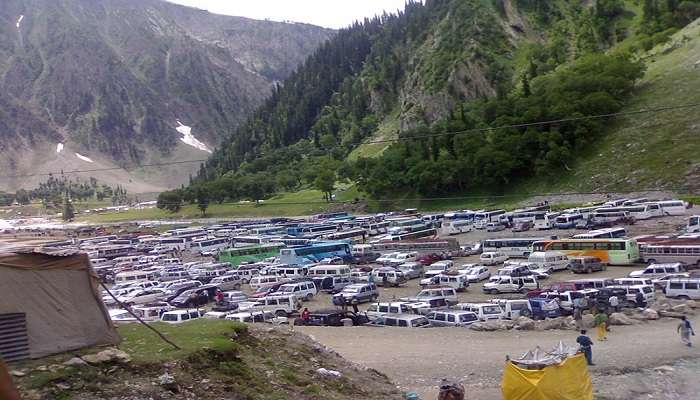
x=227, y=282
x=356, y=293
x=484, y=311
x=450, y=294
x=282, y=306
x=402, y=321
x=392, y=276
x=658, y=270
x=581, y=265
x=376, y=310
x=514, y=270
x=411, y=270
x=333, y=317
x=511, y=284
x=305, y=290
x=332, y=284
x=459, y=282
x=492, y=258
x=452, y=318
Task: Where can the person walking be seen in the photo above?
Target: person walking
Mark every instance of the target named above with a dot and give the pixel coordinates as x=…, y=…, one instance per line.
x=585, y=344
x=578, y=317
x=601, y=320
x=685, y=329
x=640, y=300
x=219, y=296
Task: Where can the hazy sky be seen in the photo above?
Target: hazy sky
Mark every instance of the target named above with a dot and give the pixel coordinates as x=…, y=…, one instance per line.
x=328, y=13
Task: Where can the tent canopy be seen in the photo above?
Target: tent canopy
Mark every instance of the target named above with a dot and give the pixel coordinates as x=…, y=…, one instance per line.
x=58, y=293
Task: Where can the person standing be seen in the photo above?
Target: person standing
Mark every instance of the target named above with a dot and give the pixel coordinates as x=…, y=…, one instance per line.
x=640, y=300
x=601, y=320
x=219, y=297
x=578, y=317
x=614, y=303
x=305, y=315
x=585, y=343
x=685, y=329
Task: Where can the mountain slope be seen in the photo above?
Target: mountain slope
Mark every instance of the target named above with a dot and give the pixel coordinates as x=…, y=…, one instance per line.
x=453, y=71
x=656, y=150
x=113, y=80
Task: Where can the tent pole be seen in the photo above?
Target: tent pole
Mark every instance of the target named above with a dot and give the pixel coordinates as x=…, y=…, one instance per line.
x=128, y=309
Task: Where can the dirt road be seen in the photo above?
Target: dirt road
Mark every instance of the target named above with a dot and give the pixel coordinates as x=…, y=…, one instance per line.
x=417, y=359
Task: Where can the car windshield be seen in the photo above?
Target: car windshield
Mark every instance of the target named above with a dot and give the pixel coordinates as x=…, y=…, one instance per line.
x=492, y=310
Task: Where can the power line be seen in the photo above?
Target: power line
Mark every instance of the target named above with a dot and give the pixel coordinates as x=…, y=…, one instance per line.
x=400, y=139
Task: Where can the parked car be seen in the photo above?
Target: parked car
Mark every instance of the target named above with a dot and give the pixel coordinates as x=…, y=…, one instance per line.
x=333, y=317
x=646, y=290
x=179, y=316
x=586, y=265
x=495, y=227
x=249, y=317
x=484, y=311
x=429, y=304
x=427, y=259
x=549, y=261
x=492, y=258
x=684, y=288
x=459, y=282
x=141, y=296
x=266, y=290
x=401, y=321
x=476, y=273
x=658, y=270
x=228, y=282
x=388, y=276
x=471, y=250
x=356, y=293
x=388, y=257
x=281, y=306
x=435, y=269
x=376, y=310
x=411, y=270
x=447, y=292
x=523, y=226
x=544, y=308
x=305, y=290
x=511, y=284
x=193, y=298
x=332, y=284
x=451, y=318
x=403, y=258
x=513, y=309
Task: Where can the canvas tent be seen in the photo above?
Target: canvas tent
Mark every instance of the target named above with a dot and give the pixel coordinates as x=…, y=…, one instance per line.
x=559, y=374
x=55, y=296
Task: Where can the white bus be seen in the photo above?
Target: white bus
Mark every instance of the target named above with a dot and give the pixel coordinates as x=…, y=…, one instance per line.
x=670, y=252
x=173, y=243
x=512, y=247
x=202, y=246
x=481, y=218
x=527, y=216
x=252, y=240
x=354, y=235
x=609, y=233
x=455, y=227
x=567, y=221
x=547, y=222
x=640, y=212
x=673, y=207
x=585, y=211
x=377, y=228
x=265, y=230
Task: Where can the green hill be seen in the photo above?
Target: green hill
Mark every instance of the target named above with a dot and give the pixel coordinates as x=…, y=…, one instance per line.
x=443, y=100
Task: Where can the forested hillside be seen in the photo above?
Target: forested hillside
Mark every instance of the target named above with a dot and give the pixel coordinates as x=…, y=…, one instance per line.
x=439, y=77
x=130, y=82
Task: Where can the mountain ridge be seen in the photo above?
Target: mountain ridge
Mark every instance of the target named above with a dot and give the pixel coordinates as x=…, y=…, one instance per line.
x=111, y=80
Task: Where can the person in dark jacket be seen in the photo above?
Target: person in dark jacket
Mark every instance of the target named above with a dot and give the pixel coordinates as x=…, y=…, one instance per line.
x=640, y=300
x=585, y=342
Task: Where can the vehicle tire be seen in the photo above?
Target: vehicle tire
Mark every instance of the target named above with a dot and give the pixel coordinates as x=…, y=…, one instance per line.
x=308, y=296
x=683, y=297
x=589, y=270
x=281, y=313
x=237, y=286
x=526, y=313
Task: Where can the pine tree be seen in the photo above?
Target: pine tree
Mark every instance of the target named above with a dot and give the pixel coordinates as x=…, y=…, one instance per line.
x=68, y=210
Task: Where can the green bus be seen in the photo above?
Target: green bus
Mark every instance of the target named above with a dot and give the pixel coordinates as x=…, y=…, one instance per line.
x=239, y=255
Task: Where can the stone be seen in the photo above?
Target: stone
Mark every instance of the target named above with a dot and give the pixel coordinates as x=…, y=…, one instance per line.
x=63, y=386
x=587, y=320
x=551, y=323
x=75, y=361
x=17, y=373
x=664, y=368
x=328, y=373
x=524, y=324
x=670, y=314
x=650, y=314
x=106, y=356
x=42, y=368
x=620, y=319
x=681, y=308
x=168, y=382
x=691, y=303
x=490, y=326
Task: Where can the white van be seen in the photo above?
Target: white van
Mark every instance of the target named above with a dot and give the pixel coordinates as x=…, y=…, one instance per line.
x=305, y=290
x=281, y=306
x=673, y=207
x=632, y=290
x=376, y=310
x=693, y=224
x=510, y=284
x=393, y=277
x=292, y=272
x=484, y=311
x=179, y=316
x=633, y=281
x=404, y=258
x=329, y=270
x=450, y=294
x=658, y=270
x=458, y=282
x=549, y=261
x=134, y=277
x=683, y=288
x=492, y=258
x=227, y=282
x=402, y=321
x=261, y=280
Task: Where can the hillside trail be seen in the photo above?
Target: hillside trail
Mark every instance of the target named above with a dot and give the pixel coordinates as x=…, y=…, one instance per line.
x=417, y=359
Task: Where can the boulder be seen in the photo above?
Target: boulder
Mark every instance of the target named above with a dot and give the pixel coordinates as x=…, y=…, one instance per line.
x=168, y=382
x=692, y=304
x=681, y=308
x=491, y=326
x=587, y=320
x=621, y=319
x=551, y=323
x=660, y=305
x=569, y=323
x=650, y=314
x=329, y=373
x=75, y=361
x=524, y=324
x=107, y=356
x=670, y=314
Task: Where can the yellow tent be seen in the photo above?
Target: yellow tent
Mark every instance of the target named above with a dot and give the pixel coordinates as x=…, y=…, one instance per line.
x=568, y=380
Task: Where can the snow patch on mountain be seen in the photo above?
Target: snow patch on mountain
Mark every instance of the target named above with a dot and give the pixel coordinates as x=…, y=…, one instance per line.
x=82, y=157
x=59, y=147
x=189, y=139
x=19, y=20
